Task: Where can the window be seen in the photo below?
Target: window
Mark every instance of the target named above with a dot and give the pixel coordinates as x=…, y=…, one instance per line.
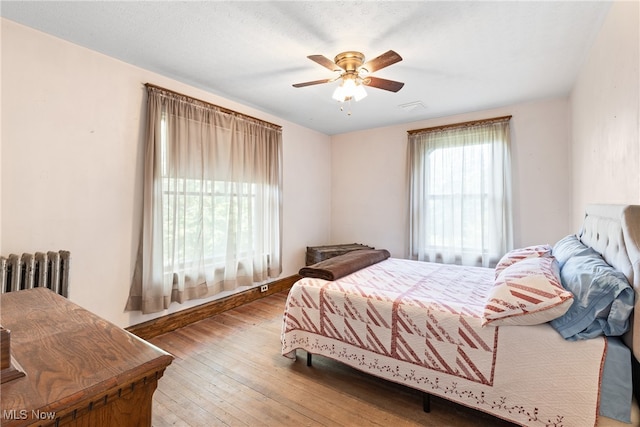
x=212, y=202
x=209, y=222
x=460, y=193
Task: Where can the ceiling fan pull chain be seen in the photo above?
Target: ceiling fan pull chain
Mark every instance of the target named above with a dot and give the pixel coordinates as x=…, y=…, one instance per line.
x=349, y=108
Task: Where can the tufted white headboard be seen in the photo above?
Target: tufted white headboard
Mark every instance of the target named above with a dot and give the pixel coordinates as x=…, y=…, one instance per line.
x=614, y=231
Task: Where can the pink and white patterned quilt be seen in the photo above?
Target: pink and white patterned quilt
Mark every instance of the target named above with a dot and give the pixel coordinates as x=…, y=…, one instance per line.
x=419, y=324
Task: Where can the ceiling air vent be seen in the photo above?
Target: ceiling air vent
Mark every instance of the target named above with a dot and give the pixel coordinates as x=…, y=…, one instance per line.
x=412, y=106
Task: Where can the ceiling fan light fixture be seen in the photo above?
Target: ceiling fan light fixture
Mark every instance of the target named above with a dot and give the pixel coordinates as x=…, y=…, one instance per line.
x=349, y=88
x=339, y=94
x=349, y=84
x=359, y=92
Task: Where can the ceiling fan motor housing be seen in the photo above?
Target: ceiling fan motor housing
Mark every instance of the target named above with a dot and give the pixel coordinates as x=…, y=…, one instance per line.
x=349, y=61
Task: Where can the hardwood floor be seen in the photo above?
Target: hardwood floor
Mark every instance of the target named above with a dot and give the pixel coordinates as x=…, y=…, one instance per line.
x=228, y=371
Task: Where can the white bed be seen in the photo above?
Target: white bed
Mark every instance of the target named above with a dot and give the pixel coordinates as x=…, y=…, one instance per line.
x=403, y=321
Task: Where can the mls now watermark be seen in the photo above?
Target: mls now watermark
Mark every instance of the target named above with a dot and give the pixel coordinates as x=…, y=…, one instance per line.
x=23, y=414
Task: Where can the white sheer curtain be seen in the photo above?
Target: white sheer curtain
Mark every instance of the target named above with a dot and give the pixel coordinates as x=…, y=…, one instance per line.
x=460, y=193
x=212, y=202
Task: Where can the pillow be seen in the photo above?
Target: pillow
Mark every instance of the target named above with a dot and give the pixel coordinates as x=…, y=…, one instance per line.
x=516, y=255
x=528, y=292
x=568, y=247
x=603, y=299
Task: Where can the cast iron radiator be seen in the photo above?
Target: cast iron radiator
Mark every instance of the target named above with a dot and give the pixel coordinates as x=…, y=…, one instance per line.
x=40, y=269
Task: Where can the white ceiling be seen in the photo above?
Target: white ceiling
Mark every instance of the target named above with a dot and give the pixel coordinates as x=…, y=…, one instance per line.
x=458, y=56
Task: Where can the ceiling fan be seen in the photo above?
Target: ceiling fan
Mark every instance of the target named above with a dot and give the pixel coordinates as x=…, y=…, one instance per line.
x=355, y=73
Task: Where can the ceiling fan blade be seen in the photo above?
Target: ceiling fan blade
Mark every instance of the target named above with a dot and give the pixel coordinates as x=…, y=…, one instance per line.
x=325, y=62
x=384, y=60
x=385, y=84
x=315, y=82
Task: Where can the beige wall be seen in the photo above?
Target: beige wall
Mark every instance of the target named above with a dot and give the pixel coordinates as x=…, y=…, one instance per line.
x=71, y=171
x=604, y=104
x=369, y=178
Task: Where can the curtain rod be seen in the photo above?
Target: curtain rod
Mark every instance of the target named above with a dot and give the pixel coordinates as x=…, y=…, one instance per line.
x=214, y=106
x=459, y=125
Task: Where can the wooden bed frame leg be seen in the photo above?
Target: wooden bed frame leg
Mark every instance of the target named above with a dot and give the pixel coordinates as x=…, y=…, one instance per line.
x=426, y=402
x=308, y=359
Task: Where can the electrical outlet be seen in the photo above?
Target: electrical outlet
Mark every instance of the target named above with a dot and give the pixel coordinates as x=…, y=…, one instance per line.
x=264, y=288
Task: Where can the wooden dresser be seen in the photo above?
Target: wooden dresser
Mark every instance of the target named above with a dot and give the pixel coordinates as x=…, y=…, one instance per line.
x=80, y=369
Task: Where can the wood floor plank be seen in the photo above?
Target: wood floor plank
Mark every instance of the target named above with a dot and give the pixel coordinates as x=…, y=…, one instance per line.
x=215, y=397
x=296, y=396
x=229, y=371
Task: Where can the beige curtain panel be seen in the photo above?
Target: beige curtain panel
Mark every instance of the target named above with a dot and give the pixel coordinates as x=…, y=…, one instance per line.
x=460, y=193
x=212, y=204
